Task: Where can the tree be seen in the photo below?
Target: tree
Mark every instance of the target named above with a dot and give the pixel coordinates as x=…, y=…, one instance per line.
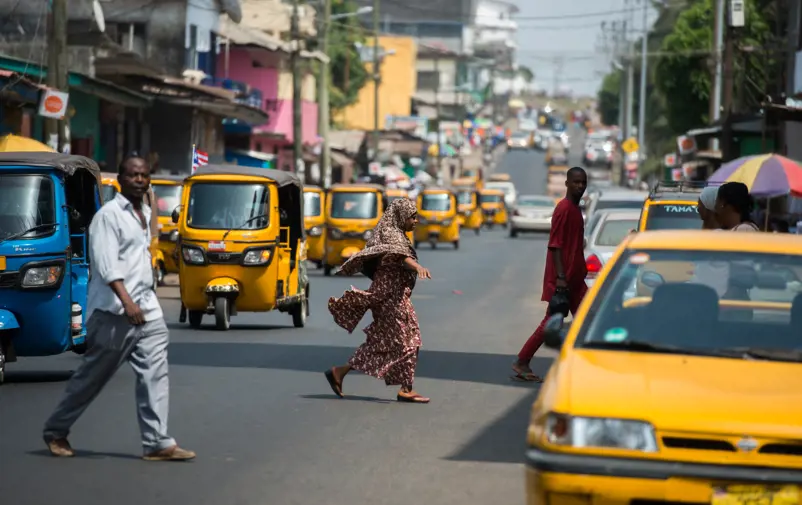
x=526, y=73
x=608, y=97
x=348, y=73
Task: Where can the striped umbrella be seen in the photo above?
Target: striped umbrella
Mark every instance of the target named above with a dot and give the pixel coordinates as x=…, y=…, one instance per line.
x=766, y=175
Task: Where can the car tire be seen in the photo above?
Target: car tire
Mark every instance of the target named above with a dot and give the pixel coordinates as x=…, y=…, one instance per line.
x=513, y=232
x=222, y=313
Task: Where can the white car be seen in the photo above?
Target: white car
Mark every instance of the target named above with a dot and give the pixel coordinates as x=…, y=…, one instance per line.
x=532, y=214
x=604, y=238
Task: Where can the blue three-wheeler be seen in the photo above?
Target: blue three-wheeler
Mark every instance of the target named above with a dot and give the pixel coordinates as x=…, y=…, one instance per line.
x=47, y=201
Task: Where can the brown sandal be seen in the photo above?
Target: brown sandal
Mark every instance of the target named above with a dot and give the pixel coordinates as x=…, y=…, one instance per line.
x=337, y=387
x=416, y=398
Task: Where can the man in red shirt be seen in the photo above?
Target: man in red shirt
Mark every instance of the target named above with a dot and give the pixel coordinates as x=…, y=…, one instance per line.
x=565, y=264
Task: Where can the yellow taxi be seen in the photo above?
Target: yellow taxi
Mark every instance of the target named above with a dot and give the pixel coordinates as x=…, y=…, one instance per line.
x=687, y=395
x=671, y=206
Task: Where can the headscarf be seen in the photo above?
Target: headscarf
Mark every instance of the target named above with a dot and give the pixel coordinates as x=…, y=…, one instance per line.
x=388, y=237
x=708, y=197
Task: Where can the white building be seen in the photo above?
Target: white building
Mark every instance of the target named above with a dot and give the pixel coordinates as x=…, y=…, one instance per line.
x=495, y=33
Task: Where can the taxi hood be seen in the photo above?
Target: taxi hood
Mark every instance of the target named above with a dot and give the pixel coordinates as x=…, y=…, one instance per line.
x=686, y=393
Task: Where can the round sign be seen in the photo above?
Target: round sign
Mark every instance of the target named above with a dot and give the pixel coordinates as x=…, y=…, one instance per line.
x=53, y=104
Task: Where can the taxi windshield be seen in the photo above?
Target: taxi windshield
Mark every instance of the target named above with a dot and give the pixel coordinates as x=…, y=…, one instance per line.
x=107, y=192
x=491, y=198
x=26, y=202
x=226, y=206
x=726, y=304
x=354, y=205
x=436, y=201
x=168, y=197
x=465, y=198
x=311, y=203
x=683, y=216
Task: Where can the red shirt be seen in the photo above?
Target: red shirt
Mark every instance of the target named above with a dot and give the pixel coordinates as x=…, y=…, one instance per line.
x=567, y=235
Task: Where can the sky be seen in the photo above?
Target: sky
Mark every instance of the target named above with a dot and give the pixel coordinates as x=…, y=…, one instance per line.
x=562, y=41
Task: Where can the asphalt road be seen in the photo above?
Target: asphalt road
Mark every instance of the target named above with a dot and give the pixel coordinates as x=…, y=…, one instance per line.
x=254, y=404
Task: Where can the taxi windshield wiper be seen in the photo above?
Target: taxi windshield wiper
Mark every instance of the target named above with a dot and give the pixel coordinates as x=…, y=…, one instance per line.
x=788, y=355
x=29, y=230
x=640, y=346
x=254, y=218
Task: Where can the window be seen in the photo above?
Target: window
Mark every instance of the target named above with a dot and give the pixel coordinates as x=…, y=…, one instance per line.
x=107, y=191
x=27, y=202
x=354, y=205
x=438, y=202
x=673, y=217
x=219, y=206
x=428, y=80
x=465, y=197
x=131, y=36
x=192, y=50
x=490, y=198
x=311, y=203
x=614, y=231
x=168, y=197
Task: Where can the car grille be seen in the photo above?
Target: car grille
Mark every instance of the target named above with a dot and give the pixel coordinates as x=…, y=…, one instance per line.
x=698, y=444
x=224, y=258
x=9, y=280
x=353, y=234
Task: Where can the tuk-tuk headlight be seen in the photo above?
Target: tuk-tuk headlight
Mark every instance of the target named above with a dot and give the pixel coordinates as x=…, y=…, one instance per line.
x=447, y=222
x=367, y=235
x=41, y=277
x=335, y=234
x=315, y=231
x=173, y=236
x=193, y=255
x=256, y=257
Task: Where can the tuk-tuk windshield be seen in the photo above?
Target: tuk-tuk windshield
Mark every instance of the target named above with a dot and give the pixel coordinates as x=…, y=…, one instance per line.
x=354, y=205
x=26, y=202
x=168, y=197
x=226, y=206
x=311, y=203
x=491, y=198
x=465, y=198
x=107, y=191
x=436, y=201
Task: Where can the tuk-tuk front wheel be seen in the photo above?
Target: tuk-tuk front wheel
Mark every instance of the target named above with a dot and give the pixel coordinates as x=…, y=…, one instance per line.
x=161, y=273
x=301, y=311
x=478, y=230
x=2, y=365
x=456, y=244
x=222, y=313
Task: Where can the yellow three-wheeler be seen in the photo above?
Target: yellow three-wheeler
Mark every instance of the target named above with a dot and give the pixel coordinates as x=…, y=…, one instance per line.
x=108, y=190
x=242, y=243
x=167, y=189
x=437, y=217
x=315, y=223
x=493, y=207
x=352, y=211
x=469, y=214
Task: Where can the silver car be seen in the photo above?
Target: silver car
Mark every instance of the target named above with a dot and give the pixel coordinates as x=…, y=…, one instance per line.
x=532, y=213
x=612, y=228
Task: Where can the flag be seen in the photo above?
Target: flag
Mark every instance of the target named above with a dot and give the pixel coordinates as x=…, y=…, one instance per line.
x=199, y=158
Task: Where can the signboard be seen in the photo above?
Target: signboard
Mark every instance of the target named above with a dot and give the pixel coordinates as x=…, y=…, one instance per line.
x=374, y=168
x=53, y=104
x=676, y=174
x=686, y=145
x=630, y=145
x=670, y=160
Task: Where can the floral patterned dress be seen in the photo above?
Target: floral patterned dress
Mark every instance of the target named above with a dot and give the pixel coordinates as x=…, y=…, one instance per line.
x=390, y=351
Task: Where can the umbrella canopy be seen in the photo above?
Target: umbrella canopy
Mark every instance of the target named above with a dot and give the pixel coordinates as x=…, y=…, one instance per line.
x=15, y=144
x=765, y=175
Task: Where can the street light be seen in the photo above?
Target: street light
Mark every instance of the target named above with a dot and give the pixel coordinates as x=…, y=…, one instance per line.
x=360, y=11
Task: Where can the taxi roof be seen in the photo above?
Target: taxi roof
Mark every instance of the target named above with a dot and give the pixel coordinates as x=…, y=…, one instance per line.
x=707, y=240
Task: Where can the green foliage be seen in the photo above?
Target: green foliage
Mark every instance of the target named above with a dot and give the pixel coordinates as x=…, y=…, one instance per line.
x=348, y=73
x=526, y=73
x=608, y=97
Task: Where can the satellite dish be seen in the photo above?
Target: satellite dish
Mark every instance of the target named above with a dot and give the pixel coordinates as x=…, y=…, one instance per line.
x=99, y=18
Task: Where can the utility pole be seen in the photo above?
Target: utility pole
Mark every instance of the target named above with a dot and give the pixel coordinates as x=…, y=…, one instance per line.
x=297, y=140
x=376, y=79
x=715, y=101
x=437, y=111
x=323, y=93
x=644, y=66
x=57, y=72
x=628, y=117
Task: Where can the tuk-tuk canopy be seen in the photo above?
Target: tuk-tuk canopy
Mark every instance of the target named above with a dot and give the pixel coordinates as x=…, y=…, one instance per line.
x=178, y=179
x=361, y=185
x=499, y=178
x=278, y=176
x=437, y=189
x=67, y=163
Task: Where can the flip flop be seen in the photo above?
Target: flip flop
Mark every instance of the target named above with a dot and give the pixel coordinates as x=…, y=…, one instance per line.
x=335, y=386
x=412, y=399
x=529, y=377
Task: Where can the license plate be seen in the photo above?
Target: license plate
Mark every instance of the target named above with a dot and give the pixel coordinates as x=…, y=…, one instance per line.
x=2, y=263
x=756, y=495
x=217, y=246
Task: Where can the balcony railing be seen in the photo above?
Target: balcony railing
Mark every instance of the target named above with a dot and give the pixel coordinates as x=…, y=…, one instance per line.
x=244, y=93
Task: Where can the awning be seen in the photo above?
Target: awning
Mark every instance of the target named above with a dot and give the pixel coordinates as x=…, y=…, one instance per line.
x=248, y=36
x=234, y=110
x=14, y=86
x=253, y=154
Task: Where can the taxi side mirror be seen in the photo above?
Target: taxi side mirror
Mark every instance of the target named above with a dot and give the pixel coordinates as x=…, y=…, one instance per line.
x=652, y=279
x=554, y=333
x=175, y=215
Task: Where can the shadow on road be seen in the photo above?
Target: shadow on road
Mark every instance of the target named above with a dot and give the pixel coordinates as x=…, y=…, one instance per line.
x=88, y=454
x=444, y=365
x=494, y=444
x=353, y=398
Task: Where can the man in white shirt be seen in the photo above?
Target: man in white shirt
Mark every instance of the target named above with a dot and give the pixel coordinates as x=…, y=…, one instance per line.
x=124, y=322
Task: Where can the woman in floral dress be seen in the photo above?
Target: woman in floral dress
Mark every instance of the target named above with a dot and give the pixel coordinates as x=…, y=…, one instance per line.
x=390, y=351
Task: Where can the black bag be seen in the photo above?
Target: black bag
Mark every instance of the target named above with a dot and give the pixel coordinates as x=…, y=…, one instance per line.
x=560, y=303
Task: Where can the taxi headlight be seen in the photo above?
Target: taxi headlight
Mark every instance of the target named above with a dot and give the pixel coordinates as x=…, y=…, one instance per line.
x=586, y=432
x=367, y=235
x=193, y=255
x=335, y=234
x=315, y=231
x=173, y=236
x=42, y=277
x=256, y=257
